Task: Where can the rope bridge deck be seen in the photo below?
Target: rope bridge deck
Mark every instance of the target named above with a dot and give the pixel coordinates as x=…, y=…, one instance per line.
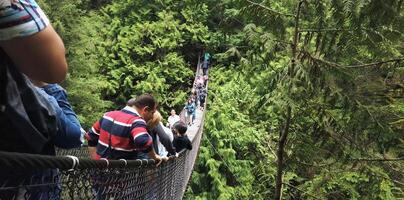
x=72, y=175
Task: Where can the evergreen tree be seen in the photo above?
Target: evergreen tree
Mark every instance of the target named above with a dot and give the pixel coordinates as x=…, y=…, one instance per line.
x=305, y=96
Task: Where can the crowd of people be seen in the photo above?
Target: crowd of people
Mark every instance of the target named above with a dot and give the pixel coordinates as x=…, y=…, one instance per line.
x=137, y=132
x=36, y=116
x=198, y=92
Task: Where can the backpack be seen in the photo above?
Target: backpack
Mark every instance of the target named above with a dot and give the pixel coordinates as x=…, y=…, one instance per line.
x=27, y=120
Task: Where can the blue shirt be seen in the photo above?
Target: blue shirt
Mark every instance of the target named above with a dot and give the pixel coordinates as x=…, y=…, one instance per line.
x=190, y=108
x=70, y=134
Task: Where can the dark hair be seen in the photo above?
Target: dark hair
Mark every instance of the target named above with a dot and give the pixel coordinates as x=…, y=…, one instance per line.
x=181, y=127
x=143, y=101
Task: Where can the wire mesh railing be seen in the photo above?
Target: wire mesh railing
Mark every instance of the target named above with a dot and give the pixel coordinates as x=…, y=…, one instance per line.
x=26, y=176
x=72, y=175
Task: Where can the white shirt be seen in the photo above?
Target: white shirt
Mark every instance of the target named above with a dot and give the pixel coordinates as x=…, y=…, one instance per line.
x=173, y=119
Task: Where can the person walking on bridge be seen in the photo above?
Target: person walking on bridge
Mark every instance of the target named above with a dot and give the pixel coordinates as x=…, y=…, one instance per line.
x=205, y=64
x=190, y=107
x=172, y=118
x=122, y=134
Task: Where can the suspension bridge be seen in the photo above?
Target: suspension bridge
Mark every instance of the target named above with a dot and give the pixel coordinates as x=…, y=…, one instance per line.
x=73, y=175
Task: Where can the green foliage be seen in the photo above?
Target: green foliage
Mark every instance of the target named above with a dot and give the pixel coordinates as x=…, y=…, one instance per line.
x=232, y=142
x=338, y=113
x=144, y=50
x=350, y=185
x=342, y=110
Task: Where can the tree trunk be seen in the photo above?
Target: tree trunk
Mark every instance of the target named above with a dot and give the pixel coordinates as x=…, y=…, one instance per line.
x=283, y=135
x=279, y=153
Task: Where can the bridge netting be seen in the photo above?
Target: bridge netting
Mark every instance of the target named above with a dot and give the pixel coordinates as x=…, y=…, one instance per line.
x=73, y=175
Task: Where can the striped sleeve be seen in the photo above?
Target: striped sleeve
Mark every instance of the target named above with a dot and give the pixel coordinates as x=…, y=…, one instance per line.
x=20, y=19
x=93, y=134
x=141, y=138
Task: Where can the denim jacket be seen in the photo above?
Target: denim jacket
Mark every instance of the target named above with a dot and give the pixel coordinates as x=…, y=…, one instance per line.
x=70, y=134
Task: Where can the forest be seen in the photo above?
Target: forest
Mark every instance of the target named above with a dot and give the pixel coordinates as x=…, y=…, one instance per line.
x=306, y=97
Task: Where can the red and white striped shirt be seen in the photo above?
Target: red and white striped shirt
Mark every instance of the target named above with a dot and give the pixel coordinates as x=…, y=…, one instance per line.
x=120, y=135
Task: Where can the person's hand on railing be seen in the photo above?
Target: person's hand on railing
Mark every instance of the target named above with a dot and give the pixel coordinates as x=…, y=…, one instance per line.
x=161, y=159
x=92, y=151
x=172, y=157
x=158, y=160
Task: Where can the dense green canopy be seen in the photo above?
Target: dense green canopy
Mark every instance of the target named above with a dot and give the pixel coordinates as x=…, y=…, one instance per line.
x=307, y=94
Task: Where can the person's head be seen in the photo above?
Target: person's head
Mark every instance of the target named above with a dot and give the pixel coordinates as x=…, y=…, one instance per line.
x=172, y=112
x=156, y=119
x=179, y=128
x=189, y=100
x=145, y=105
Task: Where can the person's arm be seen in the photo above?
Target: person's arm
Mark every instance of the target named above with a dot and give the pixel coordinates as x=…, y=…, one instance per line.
x=164, y=138
x=60, y=95
x=33, y=45
x=93, y=152
x=153, y=155
x=142, y=140
x=189, y=144
x=175, y=144
x=69, y=134
x=92, y=137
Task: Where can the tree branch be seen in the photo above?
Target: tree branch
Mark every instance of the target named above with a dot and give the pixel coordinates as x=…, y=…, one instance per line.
x=318, y=30
x=313, y=165
x=333, y=64
x=323, y=30
x=378, y=159
x=269, y=9
x=272, y=151
x=375, y=63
